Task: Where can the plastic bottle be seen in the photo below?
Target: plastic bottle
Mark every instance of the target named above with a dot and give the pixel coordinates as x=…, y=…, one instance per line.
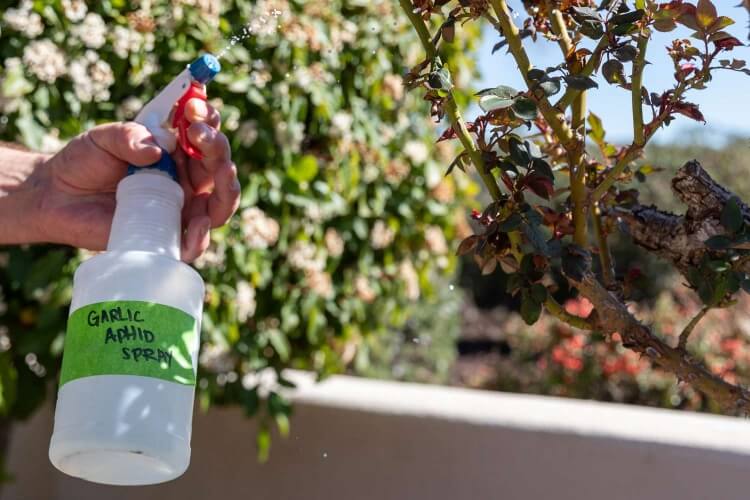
x=127, y=385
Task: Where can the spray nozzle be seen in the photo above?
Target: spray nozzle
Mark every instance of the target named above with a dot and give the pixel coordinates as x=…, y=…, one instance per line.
x=202, y=71
x=205, y=68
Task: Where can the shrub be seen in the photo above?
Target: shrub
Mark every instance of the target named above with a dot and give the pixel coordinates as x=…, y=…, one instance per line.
x=556, y=204
x=345, y=217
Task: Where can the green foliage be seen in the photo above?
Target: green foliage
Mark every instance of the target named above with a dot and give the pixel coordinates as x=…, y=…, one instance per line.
x=345, y=221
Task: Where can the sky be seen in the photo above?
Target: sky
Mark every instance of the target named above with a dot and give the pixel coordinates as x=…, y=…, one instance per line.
x=725, y=103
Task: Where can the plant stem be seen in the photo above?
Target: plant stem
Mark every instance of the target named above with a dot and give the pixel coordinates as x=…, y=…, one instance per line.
x=682, y=342
x=450, y=107
x=605, y=256
x=639, y=138
x=578, y=173
x=555, y=309
x=558, y=28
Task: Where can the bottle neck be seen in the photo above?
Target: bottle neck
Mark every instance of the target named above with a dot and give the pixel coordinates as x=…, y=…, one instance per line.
x=148, y=215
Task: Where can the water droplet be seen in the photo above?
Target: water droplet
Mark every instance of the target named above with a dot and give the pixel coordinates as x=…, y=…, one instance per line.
x=325, y=455
x=451, y=287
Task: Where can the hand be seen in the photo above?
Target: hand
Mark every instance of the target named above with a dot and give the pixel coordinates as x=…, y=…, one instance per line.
x=79, y=182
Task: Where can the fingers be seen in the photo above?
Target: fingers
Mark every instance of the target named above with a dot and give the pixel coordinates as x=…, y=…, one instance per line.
x=225, y=198
x=197, y=110
x=129, y=142
x=196, y=238
x=213, y=144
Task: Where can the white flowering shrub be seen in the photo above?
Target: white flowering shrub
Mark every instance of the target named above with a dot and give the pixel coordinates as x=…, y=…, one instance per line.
x=346, y=223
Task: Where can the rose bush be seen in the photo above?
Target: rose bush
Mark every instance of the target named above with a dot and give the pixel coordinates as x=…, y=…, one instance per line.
x=346, y=218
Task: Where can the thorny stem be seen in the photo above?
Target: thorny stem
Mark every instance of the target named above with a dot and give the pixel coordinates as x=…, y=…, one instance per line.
x=682, y=342
x=450, y=107
x=559, y=28
x=639, y=138
x=578, y=173
x=605, y=256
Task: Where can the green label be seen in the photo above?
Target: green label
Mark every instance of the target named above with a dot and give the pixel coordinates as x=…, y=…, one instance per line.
x=129, y=338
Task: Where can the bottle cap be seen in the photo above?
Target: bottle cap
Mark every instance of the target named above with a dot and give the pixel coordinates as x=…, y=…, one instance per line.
x=205, y=68
x=165, y=164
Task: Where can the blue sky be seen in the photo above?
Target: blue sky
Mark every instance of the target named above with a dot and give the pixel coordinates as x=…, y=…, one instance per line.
x=725, y=103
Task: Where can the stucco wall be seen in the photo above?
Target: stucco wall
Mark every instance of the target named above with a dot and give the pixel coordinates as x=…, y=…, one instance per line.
x=361, y=439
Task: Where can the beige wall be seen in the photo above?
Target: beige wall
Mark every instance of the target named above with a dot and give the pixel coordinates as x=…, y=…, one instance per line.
x=486, y=445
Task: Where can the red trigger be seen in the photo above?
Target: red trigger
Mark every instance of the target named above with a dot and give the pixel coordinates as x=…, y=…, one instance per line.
x=181, y=123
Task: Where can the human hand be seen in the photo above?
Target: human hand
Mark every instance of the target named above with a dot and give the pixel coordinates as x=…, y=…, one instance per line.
x=78, y=184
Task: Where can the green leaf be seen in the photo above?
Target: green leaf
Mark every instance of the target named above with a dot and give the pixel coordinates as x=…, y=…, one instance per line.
x=491, y=103
x=731, y=215
x=440, y=79
x=263, y=443
x=535, y=236
x=705, y=14
x=14, y=83
x=539, y=292
x=501, y=91
x=551, y=86
x=614, y=72
x=280, y=343
x=718, y=242
x=511, y=223
x=524, y=108
x=536, y=74
x=596, y=128
x=579, y=82
x=624, y=29
x=626, y=53
x=518, y=152
x=304, y=169
x=515, y=282
x=628, y=17
x=531, y=309
x=8, y=383
x=592, y=29
x=541, y=167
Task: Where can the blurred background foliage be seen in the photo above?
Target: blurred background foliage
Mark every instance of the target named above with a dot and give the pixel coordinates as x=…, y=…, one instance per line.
x=340, y=255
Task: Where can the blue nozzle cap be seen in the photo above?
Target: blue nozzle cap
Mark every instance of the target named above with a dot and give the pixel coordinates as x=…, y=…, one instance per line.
x=165, y=164
x=205, y=68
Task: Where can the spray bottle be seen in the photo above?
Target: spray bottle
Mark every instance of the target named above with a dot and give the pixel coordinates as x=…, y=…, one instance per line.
x=127, y=385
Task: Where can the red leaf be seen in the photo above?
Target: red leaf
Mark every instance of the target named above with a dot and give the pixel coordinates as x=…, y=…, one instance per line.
x=540, y=185
x=467, y=245
x=690, y=110
x=727, y=43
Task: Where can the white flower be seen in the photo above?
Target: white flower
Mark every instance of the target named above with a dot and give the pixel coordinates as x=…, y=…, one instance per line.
x=416, y=151
x=24, y=20
x=216, y=359
x=381, y=235
x=248, y=133
x=410, y=278
x=363, y=289
x=334, y=242
x=304, y=256
x=92, y=31
x=126, y=40
x=260, y=231
x=91, y=77
x=290, y=135
x=319, y=283
x=44, y=60
x=435, y=239
x=75, y=10
x=342, y=123
x=245, y=301
x=51, y=142
x=129, y=108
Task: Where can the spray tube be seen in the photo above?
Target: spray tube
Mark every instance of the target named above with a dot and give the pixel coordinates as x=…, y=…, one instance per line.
x=127, y=385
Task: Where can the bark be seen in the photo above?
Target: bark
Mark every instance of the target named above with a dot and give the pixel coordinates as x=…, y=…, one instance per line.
x=680, y=238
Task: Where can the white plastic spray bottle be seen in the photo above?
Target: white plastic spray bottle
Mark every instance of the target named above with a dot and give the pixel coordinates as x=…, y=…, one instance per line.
x=127, y=385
